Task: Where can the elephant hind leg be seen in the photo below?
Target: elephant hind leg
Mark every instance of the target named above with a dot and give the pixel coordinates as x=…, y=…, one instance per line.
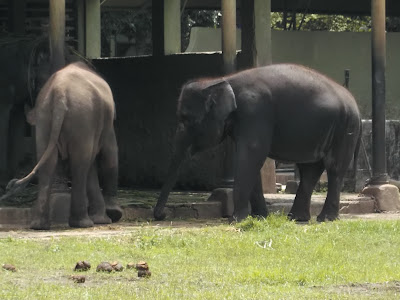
x=41, y=208
x=257, y=200
x=309, y=176
x=80, y=163
x=97, y=208
x=108, y=159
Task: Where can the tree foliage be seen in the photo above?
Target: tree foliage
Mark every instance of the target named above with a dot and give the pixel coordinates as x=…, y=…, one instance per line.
x=136, y=26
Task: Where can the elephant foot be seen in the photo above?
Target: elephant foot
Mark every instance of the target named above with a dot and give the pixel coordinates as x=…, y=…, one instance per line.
x=159, y=214
x=81, y=223
x=327, y=217
x=100, y=219
x=304, y=217
x=114, y=212
x=40, y=225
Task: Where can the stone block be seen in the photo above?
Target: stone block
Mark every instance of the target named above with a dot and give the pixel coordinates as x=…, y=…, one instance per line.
x=60, y=205
x=387, y=197
x=208, y=210
x=291, y=187
x=225, y=196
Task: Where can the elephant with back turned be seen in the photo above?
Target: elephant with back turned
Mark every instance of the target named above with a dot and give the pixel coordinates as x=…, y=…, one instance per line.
x=74, y=115
x=285, y=112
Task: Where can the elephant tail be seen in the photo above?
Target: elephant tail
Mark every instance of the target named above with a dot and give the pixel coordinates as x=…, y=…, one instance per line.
x=58, y=115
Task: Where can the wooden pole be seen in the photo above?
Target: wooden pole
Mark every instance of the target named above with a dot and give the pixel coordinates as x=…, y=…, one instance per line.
x=228, y=8
x=57, y=34
x=378, y=50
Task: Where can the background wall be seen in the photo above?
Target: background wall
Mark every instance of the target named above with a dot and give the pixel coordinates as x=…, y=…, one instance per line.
x=330, y=53
x=146, y=90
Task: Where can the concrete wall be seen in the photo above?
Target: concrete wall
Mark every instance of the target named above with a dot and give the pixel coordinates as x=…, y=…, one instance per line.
x=146, y=90
x=330, y=53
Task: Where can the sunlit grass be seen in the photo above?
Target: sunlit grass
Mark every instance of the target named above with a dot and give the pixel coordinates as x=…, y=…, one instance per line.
x=255, y=259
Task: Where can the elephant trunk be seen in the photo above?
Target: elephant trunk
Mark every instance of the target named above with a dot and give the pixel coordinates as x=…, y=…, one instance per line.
x=182, y=143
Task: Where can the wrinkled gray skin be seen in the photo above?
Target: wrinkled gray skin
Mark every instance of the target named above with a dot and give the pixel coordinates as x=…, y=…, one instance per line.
x=286, y=112
x=74, y=116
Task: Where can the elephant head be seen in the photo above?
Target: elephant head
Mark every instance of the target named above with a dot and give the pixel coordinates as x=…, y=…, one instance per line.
x=203, y=108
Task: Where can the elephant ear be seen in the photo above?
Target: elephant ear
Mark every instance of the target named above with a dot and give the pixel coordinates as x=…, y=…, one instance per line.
x=220, y=99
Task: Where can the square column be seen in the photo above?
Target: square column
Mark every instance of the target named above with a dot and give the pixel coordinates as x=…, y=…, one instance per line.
x=166, y=27
x=93, y=28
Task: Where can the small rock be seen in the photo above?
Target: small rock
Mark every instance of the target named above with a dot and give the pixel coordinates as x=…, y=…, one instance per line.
x=78, y=278
x=82, y=265
x=104, y=267
x=144, y=273
x=142, y=265
x=9, y=267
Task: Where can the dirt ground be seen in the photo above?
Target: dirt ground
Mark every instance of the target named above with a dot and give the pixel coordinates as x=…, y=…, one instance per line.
x=122, y=228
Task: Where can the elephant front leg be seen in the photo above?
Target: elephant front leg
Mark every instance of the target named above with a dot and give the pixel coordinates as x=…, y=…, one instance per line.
x=249, y=160
x=257, y=200
x=309, y=176
x=109, y=173
x=97, y=207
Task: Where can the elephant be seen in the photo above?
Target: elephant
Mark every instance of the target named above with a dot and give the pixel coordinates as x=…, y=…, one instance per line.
x=287, y=112
x=74, y=115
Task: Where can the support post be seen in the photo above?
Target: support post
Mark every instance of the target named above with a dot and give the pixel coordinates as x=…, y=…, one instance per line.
x=80, y=14
x=158, y=27
x=16, y=16
x=228, y=8
x=93, y=30
x=378, y=51
x=172, y=26
x=256, y=51
x=386, y=195
x=57, y=34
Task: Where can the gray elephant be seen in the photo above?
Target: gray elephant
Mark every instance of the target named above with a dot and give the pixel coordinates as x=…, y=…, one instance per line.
x=74, y=115
x=283, y=111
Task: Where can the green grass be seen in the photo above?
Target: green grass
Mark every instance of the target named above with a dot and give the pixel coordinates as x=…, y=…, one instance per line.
x=268, y=259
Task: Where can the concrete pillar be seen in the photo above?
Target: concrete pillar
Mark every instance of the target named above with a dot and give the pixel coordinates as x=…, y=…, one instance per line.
x=57, y=34
x=158, y=27
x=228, y=8
x=172, y=26
x=378, y=50
x=93, y=30
x=386, y=195
x=16, y=16
x=256, y=51
x=262, y=20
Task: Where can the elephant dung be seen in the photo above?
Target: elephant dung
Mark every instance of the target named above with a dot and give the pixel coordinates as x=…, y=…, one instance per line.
x=117, y=266
x=104, y=267
x=78, y=278
x=144, y=273
x=142, y=266
x=9, y=267
x=82, y=265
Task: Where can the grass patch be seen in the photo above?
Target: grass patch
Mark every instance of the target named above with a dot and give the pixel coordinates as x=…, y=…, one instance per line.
x=255, y=259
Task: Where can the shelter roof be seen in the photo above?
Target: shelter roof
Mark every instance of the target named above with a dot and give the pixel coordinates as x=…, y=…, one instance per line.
x=346, y=7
